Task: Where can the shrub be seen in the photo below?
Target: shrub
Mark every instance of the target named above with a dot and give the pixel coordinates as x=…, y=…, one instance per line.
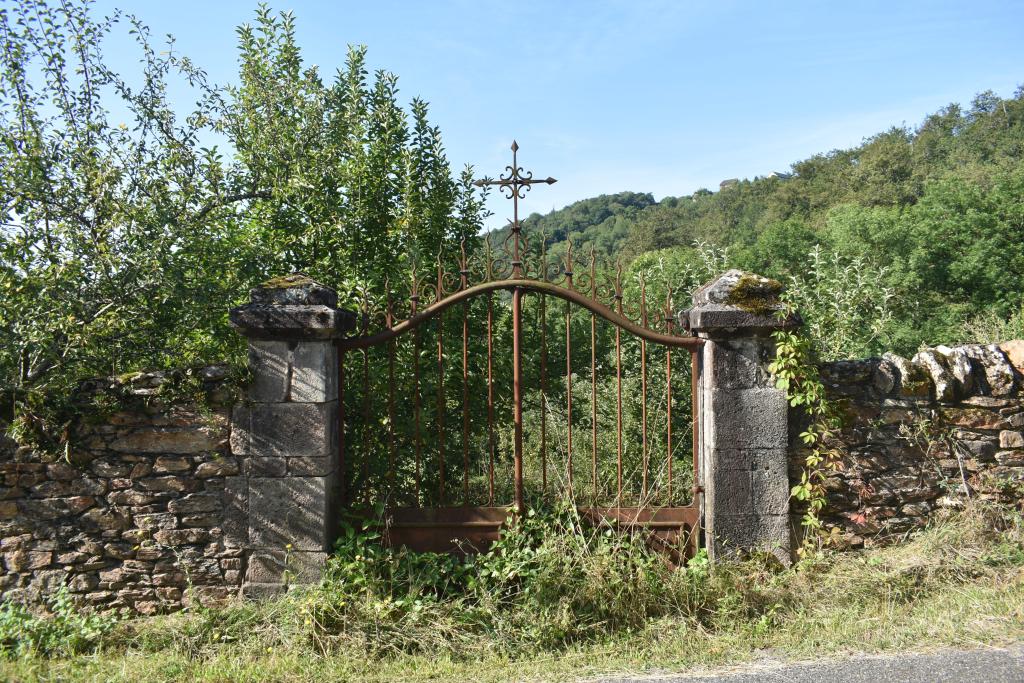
x=67, y=630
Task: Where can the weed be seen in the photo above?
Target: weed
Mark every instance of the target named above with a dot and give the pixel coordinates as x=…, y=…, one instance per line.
x=556, y=599
x=67, y=631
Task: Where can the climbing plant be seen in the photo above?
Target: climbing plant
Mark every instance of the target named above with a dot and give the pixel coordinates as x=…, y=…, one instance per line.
x=796, y=373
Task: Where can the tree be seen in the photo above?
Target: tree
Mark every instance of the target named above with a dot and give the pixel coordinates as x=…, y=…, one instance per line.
x=126, y=237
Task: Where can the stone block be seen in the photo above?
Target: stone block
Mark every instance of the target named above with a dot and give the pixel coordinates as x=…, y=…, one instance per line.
x=989, y=402
x=83, y=583
x=296, y=289
x=266, y=467
x=168, y=440
x=235, y=526
x=175, y=537
x=1010, y=458
x=27, y=560
x=241, y=423
x=260, y=591
x=901, y=487
x=108, y=469
x=726, y=320
x=204, y=520
x=974, y=418
x=738, y=363
x=310, y=467
x=140, y=469
x=960, y=367
x=293, y=429
x=218, y=467
x=982, y=449
x=729, y=492
x=170, y=483
x=106, y=519
x=131, y=498
x=997, y=374
x=1014, y=352
x=288, y=567
x=155, y=521
x=736, y=536
x=885, y=377
x=769, y=492
x=738, y=458
x=914, y=380
x=193, y=503
x=269, y=363
x=62, y=471
x=938, y=367
x=747, y=418
x=46, y=509
x=260, y=321
x=170, y=464
x=1011, y=439
x=291, y=510
x=314, y=372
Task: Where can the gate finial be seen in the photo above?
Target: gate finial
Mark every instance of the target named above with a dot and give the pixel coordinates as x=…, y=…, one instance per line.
x=514, y=184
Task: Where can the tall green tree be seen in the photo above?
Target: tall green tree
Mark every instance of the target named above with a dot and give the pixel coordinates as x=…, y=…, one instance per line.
x=130, y=224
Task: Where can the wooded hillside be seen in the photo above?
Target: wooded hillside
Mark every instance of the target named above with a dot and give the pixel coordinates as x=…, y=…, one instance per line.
x=937, y=211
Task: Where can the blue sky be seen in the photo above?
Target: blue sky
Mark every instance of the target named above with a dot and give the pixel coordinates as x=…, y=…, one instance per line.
x=647, y=95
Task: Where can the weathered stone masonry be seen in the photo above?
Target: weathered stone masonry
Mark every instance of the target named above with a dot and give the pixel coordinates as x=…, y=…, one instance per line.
x=287, y=432
x=923, y=434
x=158, y=507
x=743, y=417
x=136, y=517
x=163, y=506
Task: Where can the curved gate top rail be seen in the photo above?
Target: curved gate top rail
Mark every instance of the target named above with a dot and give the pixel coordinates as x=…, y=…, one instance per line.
x=514, y=266
x=571, y=295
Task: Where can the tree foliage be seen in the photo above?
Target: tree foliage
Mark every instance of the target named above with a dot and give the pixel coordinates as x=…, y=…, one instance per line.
x=130, y=225
x=934, y=213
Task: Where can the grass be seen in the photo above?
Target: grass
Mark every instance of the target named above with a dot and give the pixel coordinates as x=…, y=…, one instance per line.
x=381, y=617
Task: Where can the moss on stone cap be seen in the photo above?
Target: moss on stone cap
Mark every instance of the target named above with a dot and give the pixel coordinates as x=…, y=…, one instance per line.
x=755, y=294
x=293, y=280
x=296, y=289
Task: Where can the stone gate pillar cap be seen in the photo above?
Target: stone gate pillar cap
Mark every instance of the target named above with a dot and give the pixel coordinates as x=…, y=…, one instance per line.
x=297, y=289
x=738, y=300
x=292, y=307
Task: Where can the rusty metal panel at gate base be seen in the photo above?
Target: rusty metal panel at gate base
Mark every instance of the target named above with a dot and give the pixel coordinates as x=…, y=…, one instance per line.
x=670, y=530
x=466, y=530
x=443, y=530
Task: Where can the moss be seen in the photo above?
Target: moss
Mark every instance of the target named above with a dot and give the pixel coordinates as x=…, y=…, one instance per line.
x=287, y=281
x=128, y=377
x=917, y=384
x=755, y=294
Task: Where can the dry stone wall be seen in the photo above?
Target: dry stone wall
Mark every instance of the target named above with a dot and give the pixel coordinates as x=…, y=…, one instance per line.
x=921, y=434
x=136, y=515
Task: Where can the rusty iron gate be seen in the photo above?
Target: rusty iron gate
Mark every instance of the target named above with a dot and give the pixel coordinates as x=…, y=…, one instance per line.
x=441, y=522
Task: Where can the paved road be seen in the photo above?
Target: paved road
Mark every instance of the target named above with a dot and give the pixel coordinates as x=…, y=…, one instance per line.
x=946, y=666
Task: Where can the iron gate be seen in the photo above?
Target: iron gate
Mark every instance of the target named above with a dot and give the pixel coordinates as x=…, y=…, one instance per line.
x=439, y=520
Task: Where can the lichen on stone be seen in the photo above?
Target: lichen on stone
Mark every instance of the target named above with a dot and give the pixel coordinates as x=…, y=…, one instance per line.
x=755, y=294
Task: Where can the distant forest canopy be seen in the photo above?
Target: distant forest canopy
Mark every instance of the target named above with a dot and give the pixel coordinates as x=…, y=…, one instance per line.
x=936, y=211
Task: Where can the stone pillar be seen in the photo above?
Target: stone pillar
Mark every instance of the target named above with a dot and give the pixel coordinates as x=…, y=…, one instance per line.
x=285, y=501
x=743, y=417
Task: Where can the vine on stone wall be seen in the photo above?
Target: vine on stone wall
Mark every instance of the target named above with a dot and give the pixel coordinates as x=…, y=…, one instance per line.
x=796, y=374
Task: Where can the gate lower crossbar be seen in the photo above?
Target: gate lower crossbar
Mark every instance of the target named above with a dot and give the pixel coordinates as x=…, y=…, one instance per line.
x=466, y=530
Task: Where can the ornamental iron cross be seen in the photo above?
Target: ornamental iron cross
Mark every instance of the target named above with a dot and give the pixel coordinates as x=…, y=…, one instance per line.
x=514, y=185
